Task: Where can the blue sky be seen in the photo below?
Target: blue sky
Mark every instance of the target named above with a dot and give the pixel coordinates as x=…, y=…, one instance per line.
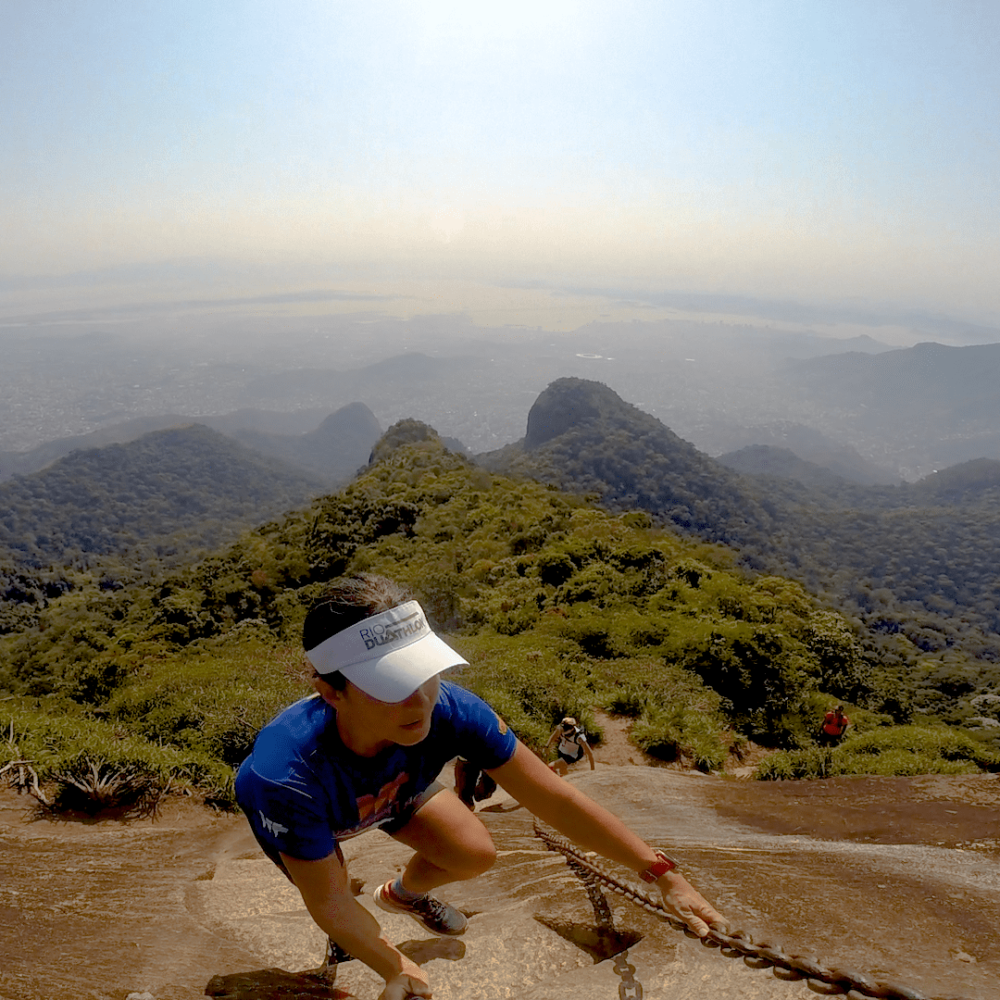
x=505, y=159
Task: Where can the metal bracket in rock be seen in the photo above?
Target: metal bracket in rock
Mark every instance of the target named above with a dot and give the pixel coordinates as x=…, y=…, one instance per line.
x=821, y=978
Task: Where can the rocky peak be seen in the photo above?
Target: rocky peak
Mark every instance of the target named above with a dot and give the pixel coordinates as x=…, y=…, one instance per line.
x=567, y=403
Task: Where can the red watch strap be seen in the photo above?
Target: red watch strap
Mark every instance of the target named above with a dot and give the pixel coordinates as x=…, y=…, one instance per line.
x=659, y=868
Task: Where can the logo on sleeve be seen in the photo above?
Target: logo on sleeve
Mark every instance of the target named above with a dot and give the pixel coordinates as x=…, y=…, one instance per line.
x=273, y=828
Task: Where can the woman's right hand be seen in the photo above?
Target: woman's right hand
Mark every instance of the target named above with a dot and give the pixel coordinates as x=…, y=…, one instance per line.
x=406, y=985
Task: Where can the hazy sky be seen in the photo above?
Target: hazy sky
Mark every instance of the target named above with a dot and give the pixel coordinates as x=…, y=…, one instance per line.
x=504, y=158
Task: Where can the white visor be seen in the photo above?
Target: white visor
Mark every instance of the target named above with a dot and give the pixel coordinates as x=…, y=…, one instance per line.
x=388, y=655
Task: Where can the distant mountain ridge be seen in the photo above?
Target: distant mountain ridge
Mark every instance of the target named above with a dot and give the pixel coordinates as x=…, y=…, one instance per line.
x=23, y=463
x=721, y=387
x=334, y=451
x=965, y=379
x=809, y=445
x=330, y=445
x=960, y=481
x=783, y=463
x=297, y=436
x=189, y=480
x=940, y=401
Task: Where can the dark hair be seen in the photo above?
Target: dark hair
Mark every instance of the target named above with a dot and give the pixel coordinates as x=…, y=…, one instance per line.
x=347, y=601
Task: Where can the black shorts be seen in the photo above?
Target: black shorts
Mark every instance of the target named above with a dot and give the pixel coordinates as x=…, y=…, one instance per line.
x=570, y=760
x=401, y=816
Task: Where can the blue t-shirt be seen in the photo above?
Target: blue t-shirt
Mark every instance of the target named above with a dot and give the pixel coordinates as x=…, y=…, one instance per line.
x=303, y=790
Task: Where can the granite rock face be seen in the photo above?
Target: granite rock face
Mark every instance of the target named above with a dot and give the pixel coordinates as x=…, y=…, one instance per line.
x=534, y=934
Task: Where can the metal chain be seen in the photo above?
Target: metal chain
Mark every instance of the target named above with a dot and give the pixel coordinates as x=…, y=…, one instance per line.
x=629, y=988
x=605, y=919
x=737, y=942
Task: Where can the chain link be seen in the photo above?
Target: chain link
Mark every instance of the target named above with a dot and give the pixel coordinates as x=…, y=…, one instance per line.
x=629, y=988
x=736, y=943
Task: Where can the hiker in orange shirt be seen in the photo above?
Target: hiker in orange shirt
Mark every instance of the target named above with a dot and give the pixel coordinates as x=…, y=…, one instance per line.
x=835, y=724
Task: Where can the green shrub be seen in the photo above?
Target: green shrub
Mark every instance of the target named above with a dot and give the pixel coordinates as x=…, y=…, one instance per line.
x=91, y=787
x=98, y=680
x=933, y=742
x=682, y=731
x=215, y=698
x=555, y=568
x=70, y=754
x=597, y=582
x=628, y=700
x=788, y=764
x=530, y=728
x=899, y=750
x=186, y=717
x=528, y=683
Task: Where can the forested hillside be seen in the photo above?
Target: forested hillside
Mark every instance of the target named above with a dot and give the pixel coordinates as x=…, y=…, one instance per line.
x=130, y=508
x=583, y=437
x=914, y=560
x=561, y=607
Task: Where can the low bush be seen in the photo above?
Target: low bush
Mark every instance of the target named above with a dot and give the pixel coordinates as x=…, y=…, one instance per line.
x=628, y=700
x=896, y=750
x=89, y=764
x=531, y=682
x=789, y=764
x=92, y=788
x=949, y=745
x=682, y=731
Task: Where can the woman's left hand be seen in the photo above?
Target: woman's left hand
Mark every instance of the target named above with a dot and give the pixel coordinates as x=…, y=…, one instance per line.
x=688, y=905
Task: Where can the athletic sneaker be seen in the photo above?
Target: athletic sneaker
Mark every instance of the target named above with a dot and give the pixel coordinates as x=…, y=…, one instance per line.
x=335, y=955
x=438, y=917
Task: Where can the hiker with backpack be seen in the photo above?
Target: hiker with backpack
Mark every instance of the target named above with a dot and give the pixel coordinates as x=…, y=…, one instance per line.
x=572, y=746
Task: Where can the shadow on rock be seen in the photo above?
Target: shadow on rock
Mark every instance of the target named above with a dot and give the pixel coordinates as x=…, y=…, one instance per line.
x=266, y=984
x=422, y=952
x=599, y=944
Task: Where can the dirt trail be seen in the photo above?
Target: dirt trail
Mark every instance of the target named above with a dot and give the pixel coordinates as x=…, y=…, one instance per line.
x=893, y=876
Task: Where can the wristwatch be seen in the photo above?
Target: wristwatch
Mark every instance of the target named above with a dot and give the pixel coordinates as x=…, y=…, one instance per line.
x=658, y=868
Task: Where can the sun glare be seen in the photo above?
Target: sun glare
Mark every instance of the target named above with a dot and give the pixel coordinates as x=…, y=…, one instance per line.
x=502, y=21
x=452, y=29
